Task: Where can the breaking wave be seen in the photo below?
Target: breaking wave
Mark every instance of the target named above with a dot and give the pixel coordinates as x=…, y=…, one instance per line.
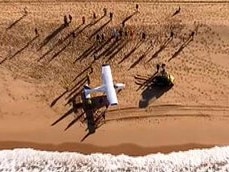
x=214, y=159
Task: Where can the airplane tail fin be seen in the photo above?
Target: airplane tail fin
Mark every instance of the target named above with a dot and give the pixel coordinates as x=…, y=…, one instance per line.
x=87, y=87
x=87, y=91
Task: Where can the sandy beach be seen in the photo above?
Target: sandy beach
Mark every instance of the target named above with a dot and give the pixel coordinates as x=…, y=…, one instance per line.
x=36, y=69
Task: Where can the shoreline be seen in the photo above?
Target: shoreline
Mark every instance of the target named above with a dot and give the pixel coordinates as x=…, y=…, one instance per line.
x=128, y=1
x=127, y=149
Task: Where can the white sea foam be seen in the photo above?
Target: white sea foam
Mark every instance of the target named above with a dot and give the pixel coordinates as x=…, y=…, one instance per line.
x=214, y=159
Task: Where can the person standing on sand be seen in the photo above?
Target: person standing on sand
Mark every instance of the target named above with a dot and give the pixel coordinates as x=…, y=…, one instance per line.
x=94, y=15
x=113, y=32
x=153, y=42
x=95, y=56
x=143, y=36
x=65, y=20
x=116, y=34
x=98, y=38
x=136, y=7
x=104, y=114
x=83, y=20
x=102, y=37
x=163, y=69
x=36, y=32
x=192, y=34
x=126, y=33
x=131, y=34
x=111, y=15
x=171, y=34
x=73, y=34
x=25, y=11
x=104, y=11
x=158, y=67
x=120, y=33
x=91, y=69
x=88, y=79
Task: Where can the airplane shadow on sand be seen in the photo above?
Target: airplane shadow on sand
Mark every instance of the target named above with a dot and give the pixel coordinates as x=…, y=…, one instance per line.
x=95, y=116
x=150, y=92
x=92, y=114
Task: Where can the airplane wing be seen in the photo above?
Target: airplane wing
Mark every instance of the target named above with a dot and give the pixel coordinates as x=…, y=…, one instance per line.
x=109, y=85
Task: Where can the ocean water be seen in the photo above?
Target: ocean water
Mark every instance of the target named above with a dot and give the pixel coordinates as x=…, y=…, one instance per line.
x=214, y=159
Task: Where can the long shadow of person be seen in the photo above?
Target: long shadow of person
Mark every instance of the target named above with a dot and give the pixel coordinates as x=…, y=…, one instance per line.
x=131, y=52
x=185, y=44
x=74, y=109
x=52, y=35
x=23, y=48
x=143, y=82
x=17, y=21
x=162, y=47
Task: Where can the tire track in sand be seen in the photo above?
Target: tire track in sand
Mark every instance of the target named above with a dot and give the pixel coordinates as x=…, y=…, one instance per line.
x=182, y=111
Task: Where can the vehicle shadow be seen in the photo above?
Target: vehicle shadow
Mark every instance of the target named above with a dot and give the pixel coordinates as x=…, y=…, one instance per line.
x=151, y=91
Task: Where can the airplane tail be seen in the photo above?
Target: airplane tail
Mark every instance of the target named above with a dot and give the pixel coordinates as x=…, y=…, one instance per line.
x=119, y=86
x=87, y=91
x=86, y=87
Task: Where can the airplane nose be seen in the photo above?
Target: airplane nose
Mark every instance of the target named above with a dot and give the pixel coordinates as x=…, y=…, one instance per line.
x=119, y=86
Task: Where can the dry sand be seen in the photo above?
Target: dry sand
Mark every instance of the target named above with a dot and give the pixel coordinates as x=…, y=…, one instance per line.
x=193, y=114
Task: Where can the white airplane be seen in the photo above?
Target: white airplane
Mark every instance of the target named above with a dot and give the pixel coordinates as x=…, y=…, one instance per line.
x=108, y=87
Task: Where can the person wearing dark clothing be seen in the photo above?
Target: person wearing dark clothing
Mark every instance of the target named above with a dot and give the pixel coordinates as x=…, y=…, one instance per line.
x=88, y=79
x=95, y=56
x=120, y=33
x=107, y=105
x=25, y=11
x=83, y=20
x=158, y=67
x=104, y=115
x=104, y=11
x=136, y=7
x=131, y=34
x=143, y=35
x=191, y=36
x=94, y=15
x=73, y=34
x=125, y=33
x=65, y=20
x=97, y=37
x=111, y=15
x=171, y=34
x=163, y=69
x=36, y=32
x=102, y=37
